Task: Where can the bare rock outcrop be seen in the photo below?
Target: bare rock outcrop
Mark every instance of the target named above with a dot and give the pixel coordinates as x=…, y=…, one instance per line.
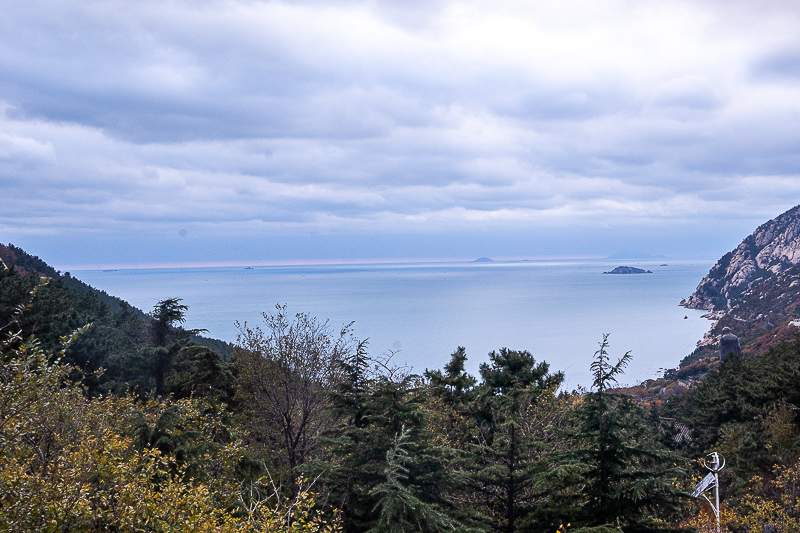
x=771, y=250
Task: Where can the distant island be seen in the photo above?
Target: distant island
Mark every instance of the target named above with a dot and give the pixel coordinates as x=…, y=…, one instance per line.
x=483, y=260
x=628, y=270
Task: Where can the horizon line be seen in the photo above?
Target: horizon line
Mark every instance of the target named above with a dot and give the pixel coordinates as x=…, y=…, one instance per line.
x=315, y=262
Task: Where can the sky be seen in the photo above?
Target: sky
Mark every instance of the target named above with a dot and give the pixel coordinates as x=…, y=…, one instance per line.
x=139, y=132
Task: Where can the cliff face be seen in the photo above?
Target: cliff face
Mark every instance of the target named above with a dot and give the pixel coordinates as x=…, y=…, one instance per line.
x=772, y=249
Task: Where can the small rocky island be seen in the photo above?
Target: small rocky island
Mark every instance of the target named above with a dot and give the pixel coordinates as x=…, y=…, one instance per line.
x=628, y=270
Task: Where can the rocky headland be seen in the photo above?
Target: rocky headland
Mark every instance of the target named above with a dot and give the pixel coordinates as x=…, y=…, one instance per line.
x=755, y=288
x=773, y=248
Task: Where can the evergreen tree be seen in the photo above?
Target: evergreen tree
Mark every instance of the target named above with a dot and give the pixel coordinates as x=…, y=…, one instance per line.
x=166, y=339
x=621, y=477
x=454, y=385
x=381, y=468
x=502, y=461
x=450, y=398
x=400, y=510
x=201, y=372
x=736, y=410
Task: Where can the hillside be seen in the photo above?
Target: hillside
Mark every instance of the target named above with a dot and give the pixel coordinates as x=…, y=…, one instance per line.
x=755, y=288
x=773, y=248
x=120, y=339
x=24, y=263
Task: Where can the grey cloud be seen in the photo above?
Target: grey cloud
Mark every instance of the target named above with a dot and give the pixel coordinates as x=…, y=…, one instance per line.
x=363, y=118
x=692, y=92
x=777, y=65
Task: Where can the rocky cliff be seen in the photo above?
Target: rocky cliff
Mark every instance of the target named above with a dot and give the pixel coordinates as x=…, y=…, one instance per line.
x=754, y=289
x=771, y=250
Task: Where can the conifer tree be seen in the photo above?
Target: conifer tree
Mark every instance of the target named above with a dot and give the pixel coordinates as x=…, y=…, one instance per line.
x=450, y=400
x=400, y=510
x=503, y=460
x=733, y=411
x=381, y=469
x=621, y=477
x=453, y=385
x=166, y=338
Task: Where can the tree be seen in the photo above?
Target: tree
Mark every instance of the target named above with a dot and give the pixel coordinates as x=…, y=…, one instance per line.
x=733, y=411
x=166, y=339
x=450, y=398
x=282, y=378
x=199, y=371
x=622, y=478
x=400, y=510
x=381, y=467
x=164, y=316
x=69, y=462
x=505, y=455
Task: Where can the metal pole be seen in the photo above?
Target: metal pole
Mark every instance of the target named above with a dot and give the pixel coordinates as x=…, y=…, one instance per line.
x=716, y=493
x=717, y=464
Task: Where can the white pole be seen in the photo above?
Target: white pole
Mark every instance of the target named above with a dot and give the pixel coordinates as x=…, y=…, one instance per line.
x=716, y=493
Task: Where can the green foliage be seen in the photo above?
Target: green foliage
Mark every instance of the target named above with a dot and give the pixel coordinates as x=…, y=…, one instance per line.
x=200, y=372
x=620, y=474
x=123, y=350
x=399, y=509
x=165, y=315
x=454, y=385
x=744, y=410
x=69, y=462
x=505, y=455
x=381, y=467
x=501, y=433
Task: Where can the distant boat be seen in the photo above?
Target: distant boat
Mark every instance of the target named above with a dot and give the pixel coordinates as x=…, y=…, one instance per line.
x=248, y=268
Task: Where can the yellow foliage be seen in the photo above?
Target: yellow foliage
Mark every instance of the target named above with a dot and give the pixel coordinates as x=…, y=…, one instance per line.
x=771, y=502
x=68, y=464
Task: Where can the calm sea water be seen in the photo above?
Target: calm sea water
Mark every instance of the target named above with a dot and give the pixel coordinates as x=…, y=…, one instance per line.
x=558, y=310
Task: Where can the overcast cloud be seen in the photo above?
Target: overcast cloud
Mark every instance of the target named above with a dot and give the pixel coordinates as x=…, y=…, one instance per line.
x=179, y=131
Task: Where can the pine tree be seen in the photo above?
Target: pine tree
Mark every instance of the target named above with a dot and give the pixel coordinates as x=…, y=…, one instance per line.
x=503, y=461
x=622, y=478
x=381, y=468
x=400, y=510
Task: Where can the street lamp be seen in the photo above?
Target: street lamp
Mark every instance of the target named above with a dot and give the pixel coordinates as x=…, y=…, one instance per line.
x=715, y=464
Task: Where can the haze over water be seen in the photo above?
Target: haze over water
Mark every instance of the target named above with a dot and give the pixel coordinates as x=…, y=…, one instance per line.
x=558, y=310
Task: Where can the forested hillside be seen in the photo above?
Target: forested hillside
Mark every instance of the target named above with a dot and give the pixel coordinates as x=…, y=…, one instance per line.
x=113, y=420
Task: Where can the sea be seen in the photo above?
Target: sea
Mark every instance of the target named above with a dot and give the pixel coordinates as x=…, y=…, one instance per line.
x=420, y=313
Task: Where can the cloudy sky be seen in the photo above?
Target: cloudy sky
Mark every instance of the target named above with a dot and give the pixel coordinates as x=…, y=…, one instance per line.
x=202, y=131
